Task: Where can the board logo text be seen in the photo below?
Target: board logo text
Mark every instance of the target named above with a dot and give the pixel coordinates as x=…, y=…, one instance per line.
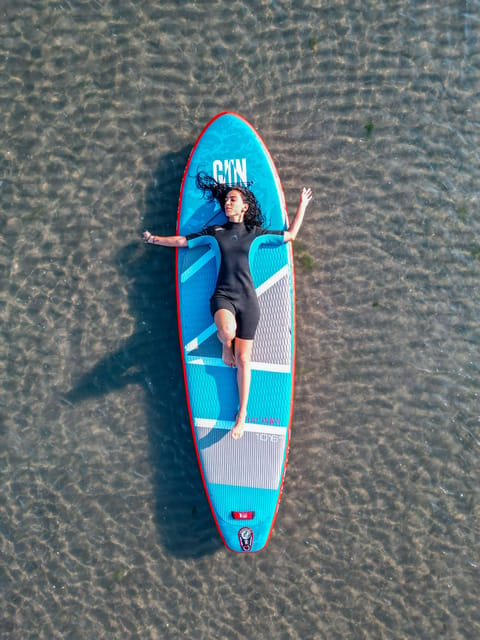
x=263, y=420
x=232, y=171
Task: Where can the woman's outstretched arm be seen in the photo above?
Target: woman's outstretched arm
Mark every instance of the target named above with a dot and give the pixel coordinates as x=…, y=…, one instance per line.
x=305, y=199
x=165, y=241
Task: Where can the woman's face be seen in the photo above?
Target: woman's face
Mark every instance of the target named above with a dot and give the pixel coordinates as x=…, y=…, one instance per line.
x=235, y=207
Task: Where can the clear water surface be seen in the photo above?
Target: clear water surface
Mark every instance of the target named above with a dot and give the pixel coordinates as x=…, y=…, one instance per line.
x=105, y=531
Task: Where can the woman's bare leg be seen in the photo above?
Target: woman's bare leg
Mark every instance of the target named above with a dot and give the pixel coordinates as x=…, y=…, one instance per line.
x=226, y=329
x=243, y=355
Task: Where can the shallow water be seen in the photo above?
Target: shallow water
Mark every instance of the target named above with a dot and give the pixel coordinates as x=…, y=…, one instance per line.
x=105, y=530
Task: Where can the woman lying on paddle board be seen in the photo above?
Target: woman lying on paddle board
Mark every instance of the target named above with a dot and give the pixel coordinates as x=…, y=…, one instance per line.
x=234, y=305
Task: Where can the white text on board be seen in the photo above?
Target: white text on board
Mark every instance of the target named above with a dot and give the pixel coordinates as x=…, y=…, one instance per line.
x=230, y=171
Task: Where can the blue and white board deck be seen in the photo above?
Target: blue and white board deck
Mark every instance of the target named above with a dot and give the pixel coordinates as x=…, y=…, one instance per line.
x=243, y=478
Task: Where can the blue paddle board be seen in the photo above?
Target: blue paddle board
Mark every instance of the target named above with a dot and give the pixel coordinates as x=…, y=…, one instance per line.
x=243, y=478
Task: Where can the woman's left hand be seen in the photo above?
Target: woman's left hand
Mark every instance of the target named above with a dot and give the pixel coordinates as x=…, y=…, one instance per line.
x=306, y=196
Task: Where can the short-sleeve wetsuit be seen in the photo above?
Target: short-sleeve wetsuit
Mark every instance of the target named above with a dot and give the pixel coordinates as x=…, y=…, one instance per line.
x=234, y=289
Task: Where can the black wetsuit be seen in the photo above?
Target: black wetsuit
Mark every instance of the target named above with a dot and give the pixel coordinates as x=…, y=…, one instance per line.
x=234, y=289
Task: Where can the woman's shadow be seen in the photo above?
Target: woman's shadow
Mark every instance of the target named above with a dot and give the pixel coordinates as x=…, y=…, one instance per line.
x=151, y=358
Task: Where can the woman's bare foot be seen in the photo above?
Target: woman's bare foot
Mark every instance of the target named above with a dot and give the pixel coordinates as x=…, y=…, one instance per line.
x=238, y=427
x=228, y=355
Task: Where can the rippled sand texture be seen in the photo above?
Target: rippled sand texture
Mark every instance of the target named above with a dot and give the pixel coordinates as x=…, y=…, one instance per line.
x=105, y=531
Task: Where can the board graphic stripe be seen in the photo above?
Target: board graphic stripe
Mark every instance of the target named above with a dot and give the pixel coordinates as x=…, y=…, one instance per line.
x=256, y=366
x=197, y=265
x=227, y=425
x=281, y=273
x=204, y=335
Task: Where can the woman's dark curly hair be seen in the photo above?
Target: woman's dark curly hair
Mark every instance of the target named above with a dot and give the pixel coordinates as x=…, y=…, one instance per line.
x=218, y=191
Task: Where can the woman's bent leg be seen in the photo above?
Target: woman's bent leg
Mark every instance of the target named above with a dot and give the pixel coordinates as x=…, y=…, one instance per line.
x=226, y=330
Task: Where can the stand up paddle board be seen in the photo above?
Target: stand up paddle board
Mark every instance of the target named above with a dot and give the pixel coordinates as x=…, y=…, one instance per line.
x=243, y=478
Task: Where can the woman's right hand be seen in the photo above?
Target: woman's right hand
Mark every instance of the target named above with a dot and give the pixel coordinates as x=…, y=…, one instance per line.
x=147, y=236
